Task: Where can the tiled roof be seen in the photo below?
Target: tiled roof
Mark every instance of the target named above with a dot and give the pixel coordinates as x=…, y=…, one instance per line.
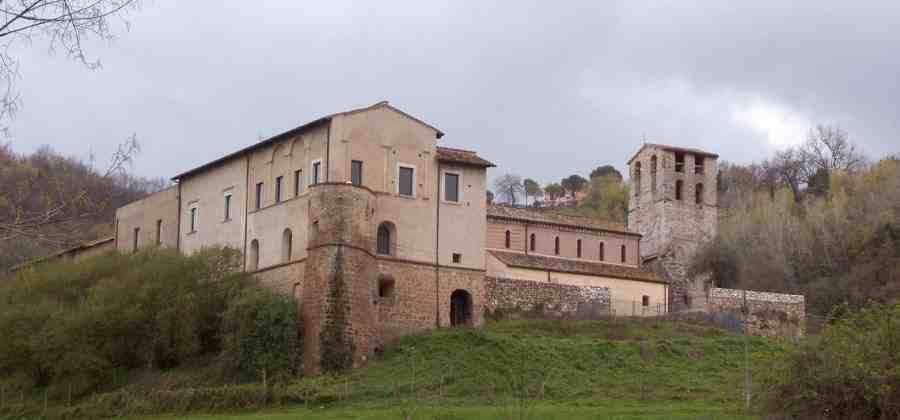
x=540, y=262
x=673, y=149
x=79, y=247
x=465, y=157
x=555, y=218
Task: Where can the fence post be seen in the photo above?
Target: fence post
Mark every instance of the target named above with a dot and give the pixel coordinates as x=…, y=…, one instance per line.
x=746, y=353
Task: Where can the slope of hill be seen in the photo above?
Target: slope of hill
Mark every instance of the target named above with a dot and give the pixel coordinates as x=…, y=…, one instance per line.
x=509, y=369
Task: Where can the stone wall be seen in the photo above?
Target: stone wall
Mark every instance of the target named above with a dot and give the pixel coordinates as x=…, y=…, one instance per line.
x=769, y=314
x=510, y=296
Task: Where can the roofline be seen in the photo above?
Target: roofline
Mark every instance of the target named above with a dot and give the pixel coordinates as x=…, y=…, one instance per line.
x=659, y=280
x=322, y=120
x=489, y=164
x=562, y=224
x=671, y=149
x=83, y=245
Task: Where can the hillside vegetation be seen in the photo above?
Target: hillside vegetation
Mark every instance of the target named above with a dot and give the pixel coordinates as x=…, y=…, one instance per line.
x=156, y=332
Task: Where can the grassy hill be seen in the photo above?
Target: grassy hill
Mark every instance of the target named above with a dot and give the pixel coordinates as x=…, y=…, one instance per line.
x=628, y=369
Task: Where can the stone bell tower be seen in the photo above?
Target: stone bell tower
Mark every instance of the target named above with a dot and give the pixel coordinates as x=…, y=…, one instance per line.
x=674, y=205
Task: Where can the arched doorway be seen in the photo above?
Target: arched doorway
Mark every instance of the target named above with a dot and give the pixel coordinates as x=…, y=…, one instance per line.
x=460, y=308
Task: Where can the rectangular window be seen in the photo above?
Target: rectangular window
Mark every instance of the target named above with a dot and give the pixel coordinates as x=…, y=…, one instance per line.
x=698, y=164
x=645, y=300
x=278, y=189
x=356, y=172
x=451, y=187
x=407, y=178
x=259, y=192
x=457, y=258
x=316, y=169
x=159, y=232
x=194, y=216
x=298, y=182
x=227, y=207
x=679, y=162
x=137, y=232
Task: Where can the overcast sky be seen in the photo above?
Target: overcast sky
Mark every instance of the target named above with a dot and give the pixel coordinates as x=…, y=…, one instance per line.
x=543, y=90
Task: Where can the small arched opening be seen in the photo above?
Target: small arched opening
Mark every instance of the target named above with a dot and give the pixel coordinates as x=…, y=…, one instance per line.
x=623, y=253
x=637, y=179
x=533, y=242
x=460, y=308
x=253, y=256
x=679, y=185
x=386, y=243
x=287, y=245
x=602, y=256
x=508, y=239
x=556, y=246
x=653, y=163
x=385, y=286
x=698, y=193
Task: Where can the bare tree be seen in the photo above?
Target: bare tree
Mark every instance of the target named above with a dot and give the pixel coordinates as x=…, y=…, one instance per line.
x=828, y=148
x=508, y=188
x=64, y=23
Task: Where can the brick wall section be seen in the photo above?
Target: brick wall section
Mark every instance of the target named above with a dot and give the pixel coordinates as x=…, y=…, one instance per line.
x=555, y=300
x=283, y=278
x=770, y=314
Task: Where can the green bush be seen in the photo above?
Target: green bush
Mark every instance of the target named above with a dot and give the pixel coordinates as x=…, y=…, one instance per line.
x=852, y=371
x=261, y=334
x=73, y=326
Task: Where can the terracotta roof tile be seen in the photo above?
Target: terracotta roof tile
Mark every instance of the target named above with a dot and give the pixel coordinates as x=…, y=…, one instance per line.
x=465, y=157
x=552, y=217
x=540, y=262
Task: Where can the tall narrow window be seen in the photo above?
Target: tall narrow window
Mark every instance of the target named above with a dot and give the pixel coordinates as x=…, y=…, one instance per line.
x=508, y=241
x=407, y=180
x=227, y=207
x=645, y=300
x=556, y=246
x=679, y=162
x=253, y=258
x=159, y=232
x=623, y=253
x=278, y=188
x=653, y=163
x=383, y=242
x=578, y=249
x=698, y=193
x=533, y=242
x=194, y=216
x=602, y=256
x=451, y=187
x=137, y=232
x=679, y=185
x=637, y=179
x=698, y=164
x=287, y=239
x=316, y=171
x=259, y=193
x=298, y=182
x=356, y=172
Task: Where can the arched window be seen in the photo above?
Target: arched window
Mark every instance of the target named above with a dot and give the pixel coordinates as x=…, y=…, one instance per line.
x=637, y=179
x=508, y=239
x=286, y=245
x=578, y=250
x=253, y=256
x=679, y=185
x=653, y=174
x=602, y=256
x=533, y=242
x=698, y=194
x=386, y=239
x=556, y=246
x=623, y=253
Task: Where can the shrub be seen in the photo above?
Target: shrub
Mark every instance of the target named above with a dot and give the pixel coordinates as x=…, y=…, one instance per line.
x=852, y=371
x=261, y=334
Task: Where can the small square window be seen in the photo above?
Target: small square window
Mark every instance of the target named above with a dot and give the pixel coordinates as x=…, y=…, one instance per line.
x=457, y=258
x=645, y=301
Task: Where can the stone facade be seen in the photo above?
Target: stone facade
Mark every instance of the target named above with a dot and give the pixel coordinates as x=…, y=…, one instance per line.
x=523, y=297
x=767, y=314
x=674, y=205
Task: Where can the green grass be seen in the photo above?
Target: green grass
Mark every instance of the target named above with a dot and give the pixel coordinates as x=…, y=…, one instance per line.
x=624, y=369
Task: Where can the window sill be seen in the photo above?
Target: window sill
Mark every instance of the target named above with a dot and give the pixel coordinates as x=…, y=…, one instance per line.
x=452, y=203
x=191, y=233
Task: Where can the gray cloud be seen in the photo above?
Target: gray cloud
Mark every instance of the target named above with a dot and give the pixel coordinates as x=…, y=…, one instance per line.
x=542, y=90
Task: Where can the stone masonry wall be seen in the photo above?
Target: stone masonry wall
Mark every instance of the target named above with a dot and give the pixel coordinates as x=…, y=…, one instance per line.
x=504, y=295
x=769, y=314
